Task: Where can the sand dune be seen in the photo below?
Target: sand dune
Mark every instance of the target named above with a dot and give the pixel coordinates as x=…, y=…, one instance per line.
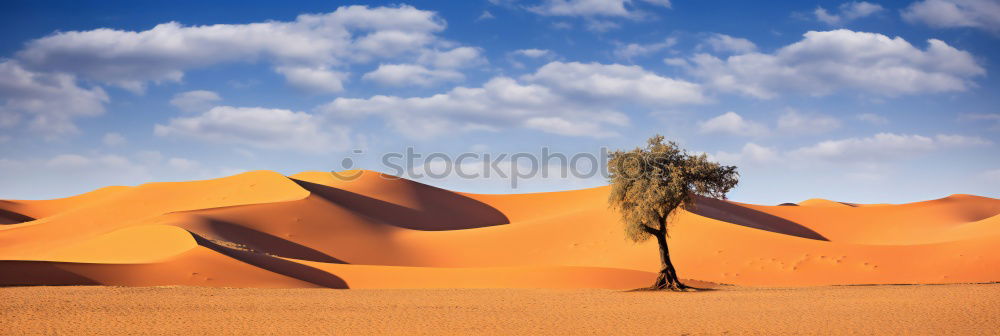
x=263, y=229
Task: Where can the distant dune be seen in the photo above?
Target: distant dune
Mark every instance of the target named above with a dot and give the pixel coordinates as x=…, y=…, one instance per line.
x=263, y=229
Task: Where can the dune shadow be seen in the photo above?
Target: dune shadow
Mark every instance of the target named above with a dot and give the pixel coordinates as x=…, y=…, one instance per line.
x=261, y=241
x=274, y=264
x=739, y=215
x=445, y=210
x=10, y=217
x=40, y=273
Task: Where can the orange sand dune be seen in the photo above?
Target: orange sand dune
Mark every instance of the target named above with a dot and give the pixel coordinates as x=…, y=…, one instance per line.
x=263, y=229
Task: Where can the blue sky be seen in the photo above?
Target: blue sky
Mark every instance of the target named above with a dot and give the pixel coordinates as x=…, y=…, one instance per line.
x=853, y=101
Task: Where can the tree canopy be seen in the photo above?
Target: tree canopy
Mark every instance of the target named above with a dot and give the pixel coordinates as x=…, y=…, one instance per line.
x=648, y=184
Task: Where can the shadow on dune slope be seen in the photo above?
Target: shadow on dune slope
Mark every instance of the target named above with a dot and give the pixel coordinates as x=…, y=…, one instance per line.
x=736, y=214
x=35, y=273
x=216, y=229
x=277, y=265
x=10, y=217
x=442, y=210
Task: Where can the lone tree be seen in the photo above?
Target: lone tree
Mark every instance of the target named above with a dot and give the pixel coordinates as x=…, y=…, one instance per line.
x=649, y=184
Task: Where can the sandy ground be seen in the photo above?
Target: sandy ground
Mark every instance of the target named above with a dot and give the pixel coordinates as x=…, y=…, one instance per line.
x=917, y=309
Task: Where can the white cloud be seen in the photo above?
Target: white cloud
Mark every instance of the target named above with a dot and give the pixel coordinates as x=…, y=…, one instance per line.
x=566, y=126
x=617, y=82
x=560, y=98
x=182, y=164
x=985, y=118
x=311, y=51
x=597, y=14
x=631, y=50
x=722, y=43
x=873, y=118
x=259, y=127
x=195, y=101
x=533, y=53
x=795, y=122
x=501, y=102
x=826, y=62
x=49, y=102
x=848, y=11
x=460, y=57
x=314, y=79
x=960, y=140
x=581, y=8
x=982, y=14
x=600, y=26
x=113, y=139
x=750, y=154
x=676, y=61
x=733, y=124
x=410, y=74
x=485, y=16
x=881, y=147
x=867, y=158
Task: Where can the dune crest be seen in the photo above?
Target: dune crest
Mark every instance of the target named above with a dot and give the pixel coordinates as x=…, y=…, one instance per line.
x=315, y=229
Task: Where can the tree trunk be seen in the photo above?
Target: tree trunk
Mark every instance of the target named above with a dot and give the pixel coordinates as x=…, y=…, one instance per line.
x=668, y=275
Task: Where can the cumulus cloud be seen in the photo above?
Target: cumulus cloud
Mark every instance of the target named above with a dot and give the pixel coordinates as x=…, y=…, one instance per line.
x=873, y=118
x=823, y=63
x=113, y=139
x=455, y=58
x=751, y=153
x=314, y=79
x=47, y=102
x=575, y=99
x=794, y=122
x=847, y=11
x=310, y=51
x=722, y=43
x=733, y=124
x=882, y=146
x=195, y=101
x=411, y=74
x=182, y=164
x=857, y=152
x=981, y=14
x=593, y=81
x=260, y=128
x=533, y=53
x=592, y=8
x=632, y=50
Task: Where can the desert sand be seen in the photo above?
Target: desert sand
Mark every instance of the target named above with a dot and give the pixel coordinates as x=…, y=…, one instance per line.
x=258, y=252
x=865, y=310
x=266, y=230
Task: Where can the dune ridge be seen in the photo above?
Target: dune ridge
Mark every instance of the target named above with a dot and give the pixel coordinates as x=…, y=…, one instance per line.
x=313, y=229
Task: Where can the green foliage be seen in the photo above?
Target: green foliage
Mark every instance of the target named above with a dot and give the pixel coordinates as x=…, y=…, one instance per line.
x=648, y=184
